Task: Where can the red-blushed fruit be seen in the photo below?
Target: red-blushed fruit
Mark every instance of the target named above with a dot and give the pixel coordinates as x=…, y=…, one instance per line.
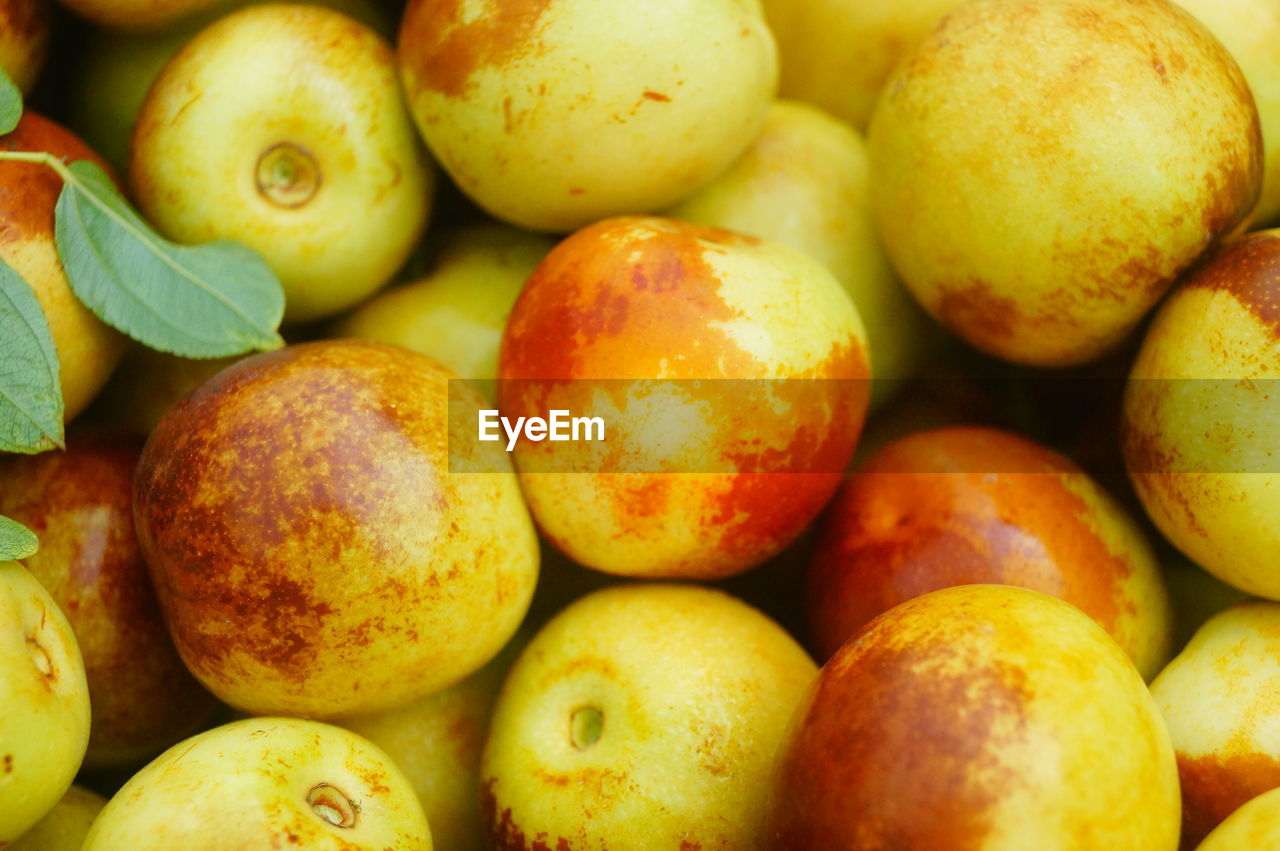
x=24, y=38
x=79, y=503
x=980, y=716
x=87, y=349
x=963, y=505
x=311, y=549
x=731, y=376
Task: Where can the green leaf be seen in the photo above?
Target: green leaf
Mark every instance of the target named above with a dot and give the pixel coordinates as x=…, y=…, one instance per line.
x=16, y=540
x=204, y=301
x=30, y=385
x=10, y=104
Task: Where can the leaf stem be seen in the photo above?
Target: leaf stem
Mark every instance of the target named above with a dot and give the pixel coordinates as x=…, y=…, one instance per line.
x=41, y=158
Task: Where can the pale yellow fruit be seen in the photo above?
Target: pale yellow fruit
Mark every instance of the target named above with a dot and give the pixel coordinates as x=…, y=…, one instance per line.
x=437, y=741
x=838, y=53
x=642, y=717
x=66, y=825
x=554, y=114
x=265, y=783
x=44, y=721
x=114, y=70
x=457, y=313
x=980, y=717
x=282, y=127
x=1042, y=172
x=1199, y=426
x=1218, y=698
x=804, y=183
x=1256, y=825
x=1250, y=29
x=136, y=15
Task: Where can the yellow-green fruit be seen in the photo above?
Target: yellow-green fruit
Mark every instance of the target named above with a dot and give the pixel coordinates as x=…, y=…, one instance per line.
x=115, y=70
x=642, y=716
x=556, y=113
x=66, y=825
x=436, y=742
x=136, y=15
x=804, y=183
x=44, y=721
x=265, y=783
x=1218, y=698
x=1250, y=29
x=838, y=53
x=24, y=39
x=1041, y=173
x=457, y=313
x=977, y=716
x=1199, y=424
x=282, y=127
x=1256, y=825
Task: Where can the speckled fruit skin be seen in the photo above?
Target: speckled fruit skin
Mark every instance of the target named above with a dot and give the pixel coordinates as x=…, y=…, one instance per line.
x=247, y=784
x=694, y=690
x=292, y=75
x=650, y=298
x=815, y=168
x=24, y=39
x=1255, y=825
x=65, y=827
x=1249, y=28
x=1200, y=411
x=136, y=15
x=961, y=505
x=45, y=724
x=437, y=742
x=838, y=53
x=80, y=504
x=87, y=349
x=552, y=114
x=1218, y=699
x=310, y=550
x=979, y=716
x=1042, y=172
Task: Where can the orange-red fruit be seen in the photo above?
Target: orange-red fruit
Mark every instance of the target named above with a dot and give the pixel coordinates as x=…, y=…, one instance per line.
x=24, y=39
x=628, y=319
x=961, y=505
x=311, y=550
x=87, y=349
x=977, y=717
x=79, y=503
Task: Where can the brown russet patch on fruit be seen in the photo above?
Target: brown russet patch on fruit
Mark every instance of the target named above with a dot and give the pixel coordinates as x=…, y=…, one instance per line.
x=958, y=506
x=23, y=20
x=29, y=191
x=504, y=833
x=657, y=96
x=443, y=48
x=1215, y=786
x=903, y=728
x=8, y=763
x=976, y=310
x=1249, y=271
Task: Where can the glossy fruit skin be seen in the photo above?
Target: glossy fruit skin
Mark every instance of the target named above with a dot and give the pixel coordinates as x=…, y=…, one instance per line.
x=978, y=716
x=837, y=54
x=964, y=505
x=1012, y=215
x=694, y=690
x=87, y=349
x=80, y=504
x=815, y=167
x=310, y=549
x=552, y=114
x=1198, y=430
x=1248, y=28
x=299, y=146
x=1216, y=697
x=45, y=698
x=626, y=302
x=24, y=40
x=247, y=784
x=65, y=827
